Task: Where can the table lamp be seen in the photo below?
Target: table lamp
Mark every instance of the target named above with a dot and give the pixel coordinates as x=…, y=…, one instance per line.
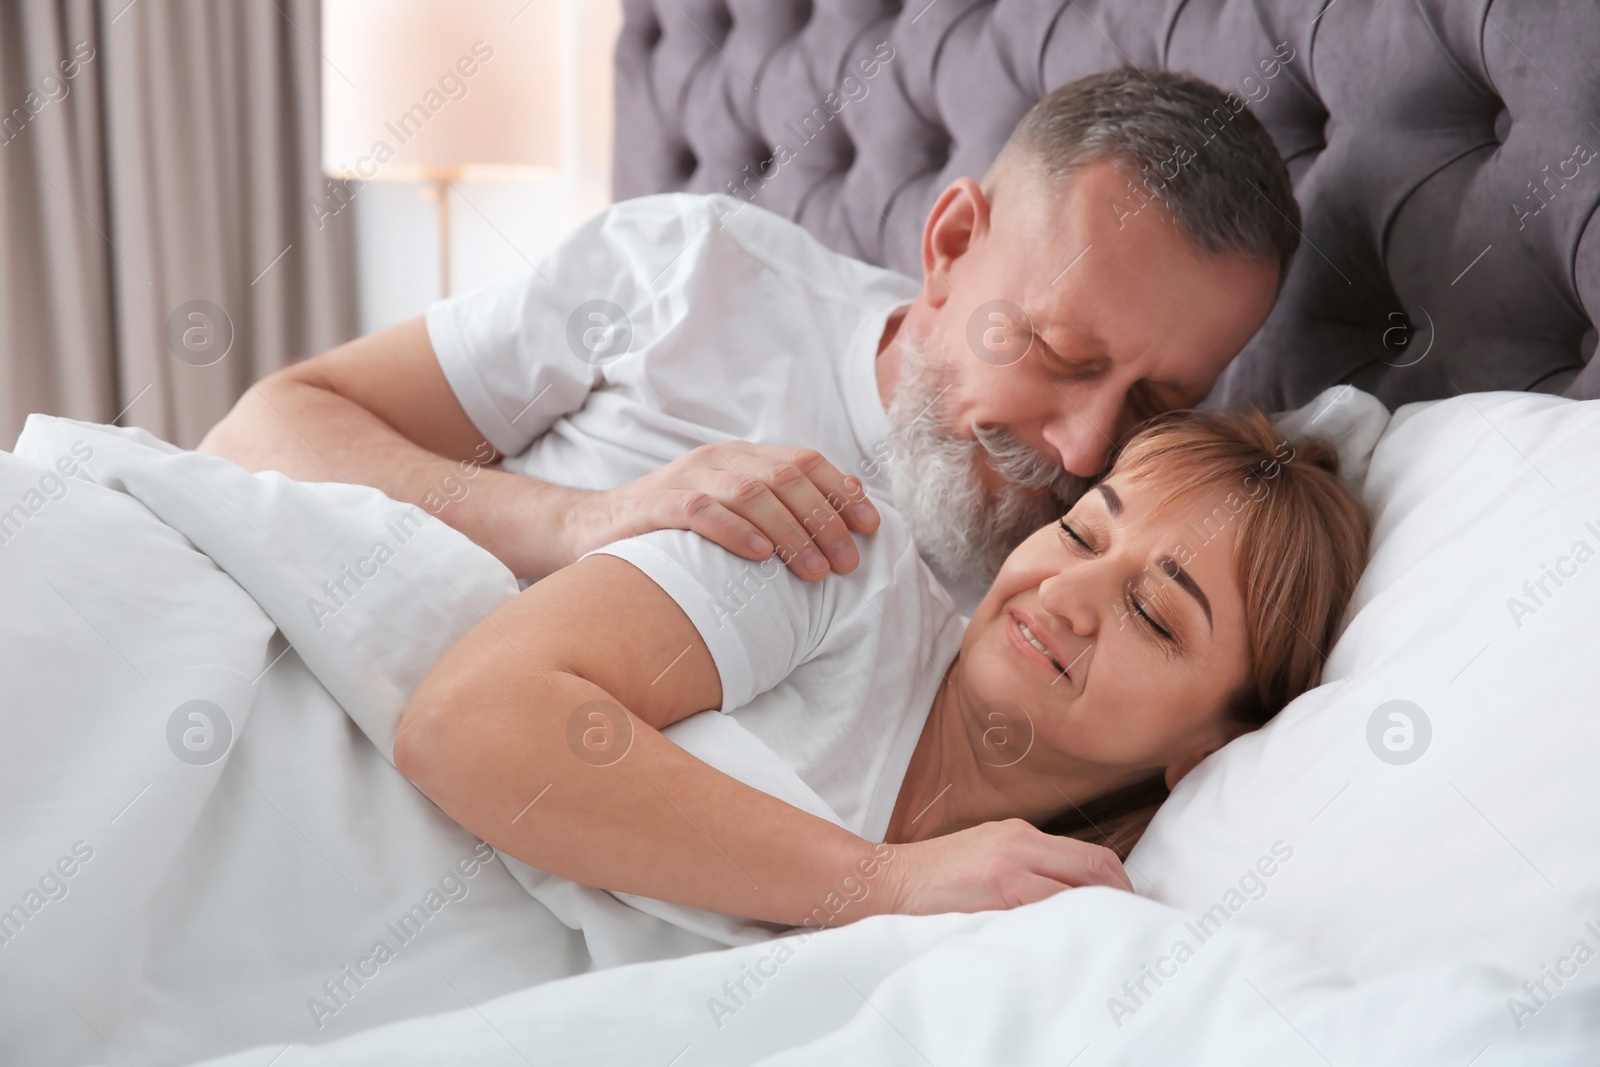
x=440, y=90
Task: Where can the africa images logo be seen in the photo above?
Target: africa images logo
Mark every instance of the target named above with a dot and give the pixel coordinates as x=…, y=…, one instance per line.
x=199, y=732
x=1399, y=732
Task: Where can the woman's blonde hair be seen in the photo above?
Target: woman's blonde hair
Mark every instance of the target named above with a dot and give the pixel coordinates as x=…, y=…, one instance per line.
x=1300, y=546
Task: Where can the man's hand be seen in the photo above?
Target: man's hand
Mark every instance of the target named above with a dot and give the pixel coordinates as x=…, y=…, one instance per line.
x=750, y=499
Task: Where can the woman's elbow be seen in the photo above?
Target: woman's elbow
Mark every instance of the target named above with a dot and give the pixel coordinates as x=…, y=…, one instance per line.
x=423, y=741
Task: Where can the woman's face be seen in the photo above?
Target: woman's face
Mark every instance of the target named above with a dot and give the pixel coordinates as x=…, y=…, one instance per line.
x=1142, y=626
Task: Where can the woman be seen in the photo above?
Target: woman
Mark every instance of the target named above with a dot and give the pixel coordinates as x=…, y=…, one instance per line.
x=1179, y=604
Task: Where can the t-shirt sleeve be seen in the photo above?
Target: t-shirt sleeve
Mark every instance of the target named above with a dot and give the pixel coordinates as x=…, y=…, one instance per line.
x=758, y=620
x=524, y=351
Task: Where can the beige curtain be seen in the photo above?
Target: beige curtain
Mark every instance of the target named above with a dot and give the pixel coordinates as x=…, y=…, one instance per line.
x=158, y=249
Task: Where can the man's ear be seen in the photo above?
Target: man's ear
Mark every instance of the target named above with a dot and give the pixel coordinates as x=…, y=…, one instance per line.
x=959, y=218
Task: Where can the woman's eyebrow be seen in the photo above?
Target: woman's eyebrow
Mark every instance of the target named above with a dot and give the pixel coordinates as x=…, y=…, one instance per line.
x=1173, y=570
x=1113, y=501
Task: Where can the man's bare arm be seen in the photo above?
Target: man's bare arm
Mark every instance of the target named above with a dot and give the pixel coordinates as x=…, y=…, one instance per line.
x=378, y=411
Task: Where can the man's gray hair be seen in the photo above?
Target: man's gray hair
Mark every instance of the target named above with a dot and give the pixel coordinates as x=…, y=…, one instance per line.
x=1198, y=149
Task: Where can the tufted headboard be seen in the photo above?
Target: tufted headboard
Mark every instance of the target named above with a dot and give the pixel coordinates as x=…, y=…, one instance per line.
x=1446, y=153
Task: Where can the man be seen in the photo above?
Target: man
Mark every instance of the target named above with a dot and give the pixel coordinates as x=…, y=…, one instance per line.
x=694, y=362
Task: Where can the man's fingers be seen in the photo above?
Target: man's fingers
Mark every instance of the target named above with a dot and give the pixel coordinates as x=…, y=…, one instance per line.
x=802, y=505
x=757, y=503
x=703, y=514
x=803, y=499
x=845, y=494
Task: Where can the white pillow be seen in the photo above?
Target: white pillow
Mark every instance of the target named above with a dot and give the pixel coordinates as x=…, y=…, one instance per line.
x=1459, y=825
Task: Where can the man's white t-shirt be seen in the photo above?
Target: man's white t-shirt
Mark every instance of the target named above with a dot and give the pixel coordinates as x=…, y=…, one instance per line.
x=836, y=677
x=738, y=325
x=734, y=324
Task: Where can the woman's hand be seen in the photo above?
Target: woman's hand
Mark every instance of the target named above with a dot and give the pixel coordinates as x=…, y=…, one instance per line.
x=997, y=865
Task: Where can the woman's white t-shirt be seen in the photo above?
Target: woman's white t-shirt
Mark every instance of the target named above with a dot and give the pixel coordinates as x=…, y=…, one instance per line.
x=836, y=677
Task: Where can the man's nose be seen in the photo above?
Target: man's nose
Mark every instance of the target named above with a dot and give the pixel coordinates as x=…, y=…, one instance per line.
x=1082, y=434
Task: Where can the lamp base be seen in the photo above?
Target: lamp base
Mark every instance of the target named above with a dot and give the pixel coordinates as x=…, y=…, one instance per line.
x=442, y=189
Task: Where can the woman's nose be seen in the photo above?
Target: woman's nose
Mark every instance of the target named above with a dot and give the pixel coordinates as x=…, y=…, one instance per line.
x=1077, y=599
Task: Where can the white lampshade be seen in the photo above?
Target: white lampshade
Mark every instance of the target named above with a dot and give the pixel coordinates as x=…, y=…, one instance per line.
x=426, y=89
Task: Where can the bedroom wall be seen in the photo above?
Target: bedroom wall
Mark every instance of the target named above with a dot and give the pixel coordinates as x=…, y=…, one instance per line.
x=497, y=227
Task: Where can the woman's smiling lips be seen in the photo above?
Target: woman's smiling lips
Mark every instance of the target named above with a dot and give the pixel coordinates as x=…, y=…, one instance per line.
x=1016, y=621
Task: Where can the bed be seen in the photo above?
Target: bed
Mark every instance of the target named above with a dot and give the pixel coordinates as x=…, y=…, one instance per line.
x=1419, y=136
x=205, y=843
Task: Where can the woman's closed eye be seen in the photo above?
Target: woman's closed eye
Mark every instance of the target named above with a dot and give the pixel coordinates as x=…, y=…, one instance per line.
x=1135, y=605
x=1068, y=531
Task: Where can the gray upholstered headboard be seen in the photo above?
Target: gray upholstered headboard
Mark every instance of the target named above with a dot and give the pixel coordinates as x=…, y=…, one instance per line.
x=1444, y=152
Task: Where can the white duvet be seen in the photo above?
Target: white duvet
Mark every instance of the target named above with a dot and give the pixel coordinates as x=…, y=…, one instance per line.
x=239, y=846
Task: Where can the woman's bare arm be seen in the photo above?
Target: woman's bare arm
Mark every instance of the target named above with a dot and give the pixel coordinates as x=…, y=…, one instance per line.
x=490, y=730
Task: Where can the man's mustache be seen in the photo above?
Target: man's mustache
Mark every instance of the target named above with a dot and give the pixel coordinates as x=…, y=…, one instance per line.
x=1019, y=464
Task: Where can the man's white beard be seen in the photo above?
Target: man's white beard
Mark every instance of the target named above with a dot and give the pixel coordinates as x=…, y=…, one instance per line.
x=960, y=527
